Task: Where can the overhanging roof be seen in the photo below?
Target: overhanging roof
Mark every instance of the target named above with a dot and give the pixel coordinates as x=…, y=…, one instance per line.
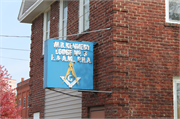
x=32, y=8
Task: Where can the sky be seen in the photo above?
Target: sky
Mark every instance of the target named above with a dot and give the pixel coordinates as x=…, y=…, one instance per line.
x=16, y=61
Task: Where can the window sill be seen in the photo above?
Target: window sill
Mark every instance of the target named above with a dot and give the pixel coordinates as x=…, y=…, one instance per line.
x=166, y=24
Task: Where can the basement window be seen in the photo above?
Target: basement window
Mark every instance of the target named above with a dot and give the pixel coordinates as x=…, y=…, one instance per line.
x=36, y=115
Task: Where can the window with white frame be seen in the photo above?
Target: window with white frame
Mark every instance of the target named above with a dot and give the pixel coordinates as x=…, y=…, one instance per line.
x=176, y=97
x=83, y=15
x=63, y=19
x=24, y=102
x=173, y=11
x=46, y=27
x=19, y=102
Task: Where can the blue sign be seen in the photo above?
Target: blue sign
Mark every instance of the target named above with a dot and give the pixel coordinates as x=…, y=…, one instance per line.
x=68, y=64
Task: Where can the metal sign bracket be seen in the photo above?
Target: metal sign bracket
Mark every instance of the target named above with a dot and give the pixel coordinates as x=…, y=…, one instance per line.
x=94, y=91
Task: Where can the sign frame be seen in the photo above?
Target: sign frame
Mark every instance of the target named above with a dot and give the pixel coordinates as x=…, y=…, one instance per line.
x=68, y=64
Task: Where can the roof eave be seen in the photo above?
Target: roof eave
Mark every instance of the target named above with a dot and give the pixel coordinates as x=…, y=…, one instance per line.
x=37, y=8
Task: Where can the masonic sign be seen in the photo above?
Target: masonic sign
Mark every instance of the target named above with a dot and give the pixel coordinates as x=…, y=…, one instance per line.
x=68, y=64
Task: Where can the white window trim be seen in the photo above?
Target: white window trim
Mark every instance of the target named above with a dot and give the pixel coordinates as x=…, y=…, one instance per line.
x=81, y=16
x=61, y=19
x=44, y=29
x=175, y=81
x=167, y=14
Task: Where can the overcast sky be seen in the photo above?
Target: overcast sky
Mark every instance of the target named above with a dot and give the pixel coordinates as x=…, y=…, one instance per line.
x=9, y=25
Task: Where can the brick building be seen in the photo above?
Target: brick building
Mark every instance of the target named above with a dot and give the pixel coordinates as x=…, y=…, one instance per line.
x=23, y=97
x=137, y=59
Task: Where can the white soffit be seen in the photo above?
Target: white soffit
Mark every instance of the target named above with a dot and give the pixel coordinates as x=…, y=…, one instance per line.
x=30, y=9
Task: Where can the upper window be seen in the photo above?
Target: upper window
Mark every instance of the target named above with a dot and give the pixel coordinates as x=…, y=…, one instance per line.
x=28, y=101
x=173, y=11
x=83, y=15
x=19, y=102
x=46, y=27
x=63, y=19
x=24, y=102
x=176, y=94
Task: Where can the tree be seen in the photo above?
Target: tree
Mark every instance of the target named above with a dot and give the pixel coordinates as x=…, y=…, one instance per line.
x=8, y=107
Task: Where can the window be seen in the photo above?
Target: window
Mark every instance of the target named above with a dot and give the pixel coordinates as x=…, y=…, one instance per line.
x=173, y=11
x=47, y=30
x=19, y=104
x=24, y=102
x=36, y=115
x=176, y=94
x=28, y=101
x=83, y=15
x=46, y=27
x=63, y=19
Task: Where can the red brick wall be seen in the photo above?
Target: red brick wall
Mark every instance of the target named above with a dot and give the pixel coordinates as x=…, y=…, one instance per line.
x=101, y=17
x=150, y=58
x=136, y=59
x=37, y=93
x=137, y=62
x=73, y=14
x=54, y=20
